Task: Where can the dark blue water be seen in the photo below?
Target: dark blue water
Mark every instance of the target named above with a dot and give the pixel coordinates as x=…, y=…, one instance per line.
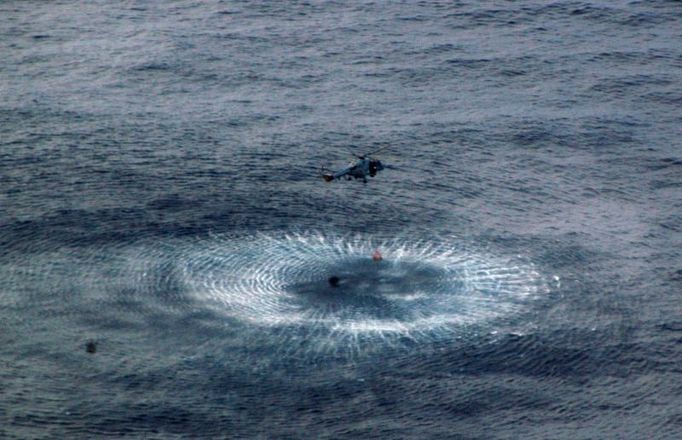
x=166, y=239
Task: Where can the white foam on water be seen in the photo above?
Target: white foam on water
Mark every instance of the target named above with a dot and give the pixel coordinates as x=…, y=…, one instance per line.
x=420, y=286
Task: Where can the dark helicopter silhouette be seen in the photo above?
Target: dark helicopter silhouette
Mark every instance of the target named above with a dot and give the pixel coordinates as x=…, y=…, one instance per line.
x=360, y=169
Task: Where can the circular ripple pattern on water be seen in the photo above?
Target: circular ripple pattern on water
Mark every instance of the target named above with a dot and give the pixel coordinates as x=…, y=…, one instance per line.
x=419, y=286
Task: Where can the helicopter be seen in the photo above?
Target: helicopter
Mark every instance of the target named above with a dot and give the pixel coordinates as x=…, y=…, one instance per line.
x=360, y=169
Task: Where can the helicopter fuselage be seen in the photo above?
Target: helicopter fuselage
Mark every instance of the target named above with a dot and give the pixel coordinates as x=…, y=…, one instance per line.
x=359, y=170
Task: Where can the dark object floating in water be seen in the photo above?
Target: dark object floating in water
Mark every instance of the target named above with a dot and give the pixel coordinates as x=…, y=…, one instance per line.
x=91, y=347
x=334, y=281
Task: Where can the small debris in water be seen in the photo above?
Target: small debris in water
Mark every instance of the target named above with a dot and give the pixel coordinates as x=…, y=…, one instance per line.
x=334, y=281
x=91, y=347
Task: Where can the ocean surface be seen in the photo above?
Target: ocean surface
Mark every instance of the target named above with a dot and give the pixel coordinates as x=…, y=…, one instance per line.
x=166, y=239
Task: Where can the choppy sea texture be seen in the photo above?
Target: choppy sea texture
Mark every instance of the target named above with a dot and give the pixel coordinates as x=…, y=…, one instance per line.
x=166, y=241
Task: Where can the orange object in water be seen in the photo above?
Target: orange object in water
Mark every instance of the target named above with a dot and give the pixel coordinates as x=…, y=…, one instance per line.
x=376, y=256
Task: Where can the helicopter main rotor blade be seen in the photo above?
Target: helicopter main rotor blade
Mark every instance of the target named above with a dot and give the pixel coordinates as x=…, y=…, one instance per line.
x=362, y=156
x=376, y=151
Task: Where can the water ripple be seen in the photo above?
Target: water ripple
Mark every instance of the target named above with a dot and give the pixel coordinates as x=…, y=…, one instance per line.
x=420, y=285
